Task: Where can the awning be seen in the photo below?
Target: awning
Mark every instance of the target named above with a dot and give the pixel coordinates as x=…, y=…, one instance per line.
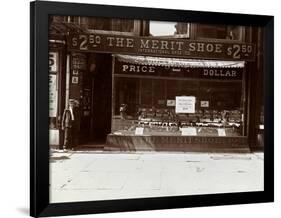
x=176, y=62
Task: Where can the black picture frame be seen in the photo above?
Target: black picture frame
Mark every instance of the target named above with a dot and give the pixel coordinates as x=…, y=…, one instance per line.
x=39, y=141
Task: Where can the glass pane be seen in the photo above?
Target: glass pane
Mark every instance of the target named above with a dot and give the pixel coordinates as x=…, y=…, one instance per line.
x=119, y=25
x=159, y=93
x=210, y=107
x=122, y=25
x=160, y=28
x=99, y=24
x=146, y=92
x=219, y=32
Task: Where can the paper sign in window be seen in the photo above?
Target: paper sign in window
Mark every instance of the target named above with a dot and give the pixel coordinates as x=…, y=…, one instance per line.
x=221, y=132
x=189, y=131
x=139, y=131
x=185, y=104
x=204, y=103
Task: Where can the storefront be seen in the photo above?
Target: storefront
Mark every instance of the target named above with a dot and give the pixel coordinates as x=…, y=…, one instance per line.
x=177, y=104
x=158, y=94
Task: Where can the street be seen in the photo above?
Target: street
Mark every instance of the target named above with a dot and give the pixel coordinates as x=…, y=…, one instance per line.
x=94, y=175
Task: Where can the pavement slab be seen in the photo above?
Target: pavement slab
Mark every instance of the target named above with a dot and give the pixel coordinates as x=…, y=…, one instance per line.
x=89, y=176
x=144, y=180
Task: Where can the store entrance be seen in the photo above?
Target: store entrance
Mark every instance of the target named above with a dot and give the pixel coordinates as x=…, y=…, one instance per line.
x=101, y=98
x=96, y=101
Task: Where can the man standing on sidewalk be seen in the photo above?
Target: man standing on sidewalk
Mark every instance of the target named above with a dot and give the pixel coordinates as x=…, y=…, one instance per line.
x=68, y=120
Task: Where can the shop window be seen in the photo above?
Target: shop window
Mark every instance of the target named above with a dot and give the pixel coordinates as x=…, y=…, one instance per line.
x=177, y=105
x=169, y=29
x=219, y=32
x=159, y=93
x=146, y=92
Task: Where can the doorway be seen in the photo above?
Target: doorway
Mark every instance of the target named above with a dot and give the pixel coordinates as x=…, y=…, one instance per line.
x=97, y=95
x=101, y=99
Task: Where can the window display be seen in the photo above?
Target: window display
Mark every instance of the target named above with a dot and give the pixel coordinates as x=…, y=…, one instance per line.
x=177, y=101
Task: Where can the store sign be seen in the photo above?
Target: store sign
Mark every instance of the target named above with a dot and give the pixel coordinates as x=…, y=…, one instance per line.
x=220, y=73
x=185, y=104
x=53, y=95
x=53, y=61
x=154, y=46
x=236, y=142
x=53, y=92
x=138, y=68
x=161, y=71
x=79, y=62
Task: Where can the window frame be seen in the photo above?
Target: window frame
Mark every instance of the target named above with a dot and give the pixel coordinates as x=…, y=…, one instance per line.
x=136, y=31
x=195, y=32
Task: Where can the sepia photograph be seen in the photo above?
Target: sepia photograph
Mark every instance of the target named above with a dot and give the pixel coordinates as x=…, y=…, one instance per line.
x=147, y=108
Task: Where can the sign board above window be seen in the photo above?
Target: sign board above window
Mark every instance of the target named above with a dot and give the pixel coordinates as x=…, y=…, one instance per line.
x=158, y=46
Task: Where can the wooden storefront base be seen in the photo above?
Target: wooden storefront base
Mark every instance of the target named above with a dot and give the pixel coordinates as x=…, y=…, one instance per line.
x=177, y=143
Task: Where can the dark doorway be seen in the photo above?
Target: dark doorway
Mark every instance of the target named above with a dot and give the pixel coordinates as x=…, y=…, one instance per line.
x=101, y=97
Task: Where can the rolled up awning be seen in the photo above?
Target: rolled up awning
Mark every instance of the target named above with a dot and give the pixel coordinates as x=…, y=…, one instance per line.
x=177, y=62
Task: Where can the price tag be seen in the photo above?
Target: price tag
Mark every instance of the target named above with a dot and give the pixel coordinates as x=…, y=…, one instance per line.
x=139, y=131
x=221, y=132
x=189, y=131
x=204, y=103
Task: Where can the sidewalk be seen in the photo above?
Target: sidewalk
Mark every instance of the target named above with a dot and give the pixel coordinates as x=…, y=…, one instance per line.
x=88, y=176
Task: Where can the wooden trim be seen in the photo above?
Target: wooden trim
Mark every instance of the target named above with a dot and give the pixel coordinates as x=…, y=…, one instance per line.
x=174, y=78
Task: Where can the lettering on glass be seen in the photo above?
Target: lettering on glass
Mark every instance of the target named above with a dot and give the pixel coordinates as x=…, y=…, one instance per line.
x=138, y=68
x=222, y=73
